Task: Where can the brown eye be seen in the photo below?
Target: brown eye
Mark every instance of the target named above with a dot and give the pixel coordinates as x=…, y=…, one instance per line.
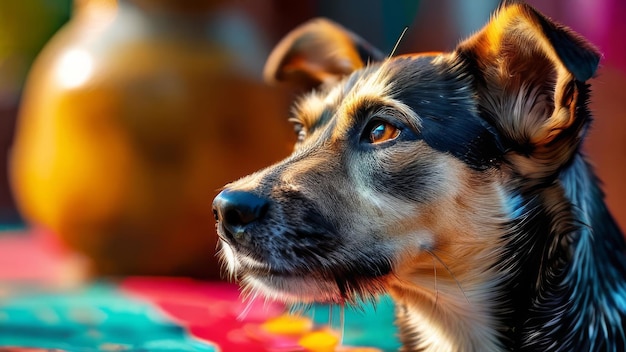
x=382, y=132
x=299, y=129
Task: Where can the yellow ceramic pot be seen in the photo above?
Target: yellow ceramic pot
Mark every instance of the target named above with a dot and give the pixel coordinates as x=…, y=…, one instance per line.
x=133, y=116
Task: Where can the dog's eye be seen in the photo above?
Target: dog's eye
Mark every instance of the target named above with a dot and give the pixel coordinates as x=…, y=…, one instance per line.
x=381, y=131
x=299, y=129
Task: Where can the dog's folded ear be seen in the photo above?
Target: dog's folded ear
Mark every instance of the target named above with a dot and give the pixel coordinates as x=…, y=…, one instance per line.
x=318, y=51
x=530, y=75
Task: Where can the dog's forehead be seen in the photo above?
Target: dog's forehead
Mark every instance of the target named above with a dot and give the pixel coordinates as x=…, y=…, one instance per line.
x=433, y=94
x=383, y=83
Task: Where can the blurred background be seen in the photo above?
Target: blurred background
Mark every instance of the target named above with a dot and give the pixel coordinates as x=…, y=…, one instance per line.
x=120, y=120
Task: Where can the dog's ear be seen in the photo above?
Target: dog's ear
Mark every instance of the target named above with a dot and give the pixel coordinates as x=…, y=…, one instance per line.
x=318, y=51
x=530, y=75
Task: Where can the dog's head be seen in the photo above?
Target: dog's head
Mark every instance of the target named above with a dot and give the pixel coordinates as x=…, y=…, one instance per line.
x=402, y=163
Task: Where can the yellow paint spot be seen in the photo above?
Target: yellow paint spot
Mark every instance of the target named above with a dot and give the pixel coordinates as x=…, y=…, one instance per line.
x=287, y=324
x=320, y=341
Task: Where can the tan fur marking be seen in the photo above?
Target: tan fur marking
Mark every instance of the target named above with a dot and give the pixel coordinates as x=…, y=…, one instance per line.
x=410, y=217
x=448, y=289
x=515, y=24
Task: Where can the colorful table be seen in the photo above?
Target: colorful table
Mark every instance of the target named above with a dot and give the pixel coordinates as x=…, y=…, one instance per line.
x=160, y=314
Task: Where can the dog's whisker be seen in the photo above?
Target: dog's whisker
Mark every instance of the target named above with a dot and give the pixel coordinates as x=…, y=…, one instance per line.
x=248, y=306
x=449, y=272
x=393, y=51
x=342, y=323
x=330, y=316
x=435, y=287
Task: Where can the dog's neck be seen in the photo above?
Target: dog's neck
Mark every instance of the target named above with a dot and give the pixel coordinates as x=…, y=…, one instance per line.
x=445, y=295
x=524, y=292
x=454, y=323
x=573, y=267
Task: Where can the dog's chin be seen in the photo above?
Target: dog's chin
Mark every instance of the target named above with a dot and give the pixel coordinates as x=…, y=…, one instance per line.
x=295, y=287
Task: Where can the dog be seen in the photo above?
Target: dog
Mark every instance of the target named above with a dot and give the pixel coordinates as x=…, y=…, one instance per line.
x=455, y=182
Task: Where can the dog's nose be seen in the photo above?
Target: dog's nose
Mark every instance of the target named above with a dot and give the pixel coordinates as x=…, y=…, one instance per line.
x=236, y=210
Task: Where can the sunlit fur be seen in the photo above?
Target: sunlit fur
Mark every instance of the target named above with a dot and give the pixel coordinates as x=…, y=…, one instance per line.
x=481, y=218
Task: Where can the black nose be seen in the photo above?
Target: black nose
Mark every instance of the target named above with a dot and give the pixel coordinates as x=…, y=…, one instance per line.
x=237, y=210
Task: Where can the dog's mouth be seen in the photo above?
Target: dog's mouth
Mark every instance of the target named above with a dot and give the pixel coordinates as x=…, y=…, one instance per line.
x=297, y=254
x=315, y=283
x=314, y=287
x=292, y=288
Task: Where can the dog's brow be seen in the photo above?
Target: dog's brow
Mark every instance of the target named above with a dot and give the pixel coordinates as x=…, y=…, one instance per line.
x=407, y=116
x=314, y=121
x=308, y=108
x=366, y=107
x=312, y=112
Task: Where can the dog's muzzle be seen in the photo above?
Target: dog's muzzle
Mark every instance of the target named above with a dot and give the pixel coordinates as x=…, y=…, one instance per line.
x=236, y=212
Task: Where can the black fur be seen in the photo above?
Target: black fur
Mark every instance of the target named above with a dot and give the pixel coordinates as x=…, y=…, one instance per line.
x=442, y=98
x=561, y=278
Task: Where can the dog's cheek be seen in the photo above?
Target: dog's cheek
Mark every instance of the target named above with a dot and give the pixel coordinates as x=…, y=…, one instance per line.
x=412, y=172
x=409, y=177
x=402, y=187
x=335, y=224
